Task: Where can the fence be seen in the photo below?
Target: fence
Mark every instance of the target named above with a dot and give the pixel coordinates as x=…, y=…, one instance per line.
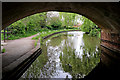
x=6, y=33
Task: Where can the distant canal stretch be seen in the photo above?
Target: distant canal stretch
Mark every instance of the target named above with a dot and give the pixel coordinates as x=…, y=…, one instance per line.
x=72, y=54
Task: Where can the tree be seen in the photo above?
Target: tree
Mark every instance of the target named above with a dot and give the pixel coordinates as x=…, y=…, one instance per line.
x=89, y=27
x=68, y=19
x=54, y=21
x=30, y=23
x=18, y=27
x=37, y=21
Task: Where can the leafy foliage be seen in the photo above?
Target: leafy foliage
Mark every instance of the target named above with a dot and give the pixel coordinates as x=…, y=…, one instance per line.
x=28, y=26
x=54, y=23
x=89, y=27
x=42, y=21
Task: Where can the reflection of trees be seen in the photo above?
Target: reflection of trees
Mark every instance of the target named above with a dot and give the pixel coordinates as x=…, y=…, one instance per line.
x=41, y=67
x=79, y=67
x=90, y=42
x=56, y=41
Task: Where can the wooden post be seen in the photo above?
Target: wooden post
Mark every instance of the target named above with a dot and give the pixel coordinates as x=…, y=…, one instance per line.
x=4, y=35
x=7, y=33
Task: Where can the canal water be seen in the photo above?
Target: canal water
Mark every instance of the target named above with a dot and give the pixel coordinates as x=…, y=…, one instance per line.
x=66, y=55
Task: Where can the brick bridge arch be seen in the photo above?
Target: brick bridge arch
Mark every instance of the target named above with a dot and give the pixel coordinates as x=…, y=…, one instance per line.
x=105, y=15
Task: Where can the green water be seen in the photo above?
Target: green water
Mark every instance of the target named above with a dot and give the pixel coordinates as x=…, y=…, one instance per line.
x=72, y=54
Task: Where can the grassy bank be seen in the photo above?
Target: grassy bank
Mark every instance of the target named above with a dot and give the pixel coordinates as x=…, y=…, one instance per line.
x=44, y=33
x=18, y=36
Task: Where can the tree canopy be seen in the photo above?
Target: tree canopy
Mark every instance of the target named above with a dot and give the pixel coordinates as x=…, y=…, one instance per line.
x=53, y=21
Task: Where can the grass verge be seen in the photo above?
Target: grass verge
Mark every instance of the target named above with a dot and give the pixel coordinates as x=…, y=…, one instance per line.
x=46, y=33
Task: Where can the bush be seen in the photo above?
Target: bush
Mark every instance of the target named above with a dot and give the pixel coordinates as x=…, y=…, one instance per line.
x=70, y=28
x=30, y=26
x=3, y=50
x=93, y=32
x=18, y=28
x=49, y=27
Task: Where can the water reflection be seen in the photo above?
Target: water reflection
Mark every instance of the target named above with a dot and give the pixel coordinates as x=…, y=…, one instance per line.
x=69, y=55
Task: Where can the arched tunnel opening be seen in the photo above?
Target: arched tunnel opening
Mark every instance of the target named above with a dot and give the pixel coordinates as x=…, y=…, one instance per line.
x=105, y=15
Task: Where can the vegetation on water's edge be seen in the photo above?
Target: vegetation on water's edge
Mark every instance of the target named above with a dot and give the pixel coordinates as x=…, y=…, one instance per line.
x=46, y=32
x=35, y=44
x=90, y=28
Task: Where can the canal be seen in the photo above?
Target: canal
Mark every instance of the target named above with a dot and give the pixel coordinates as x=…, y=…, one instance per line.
x=66, y=55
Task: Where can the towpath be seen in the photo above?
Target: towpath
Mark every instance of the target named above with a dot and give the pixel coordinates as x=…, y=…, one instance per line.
x=16, y=51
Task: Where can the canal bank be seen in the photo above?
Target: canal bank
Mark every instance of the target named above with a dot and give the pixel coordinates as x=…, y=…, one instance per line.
x=17, y=67
x=58, y=33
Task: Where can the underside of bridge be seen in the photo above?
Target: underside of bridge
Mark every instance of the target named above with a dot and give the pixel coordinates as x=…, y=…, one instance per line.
x=105, y=15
